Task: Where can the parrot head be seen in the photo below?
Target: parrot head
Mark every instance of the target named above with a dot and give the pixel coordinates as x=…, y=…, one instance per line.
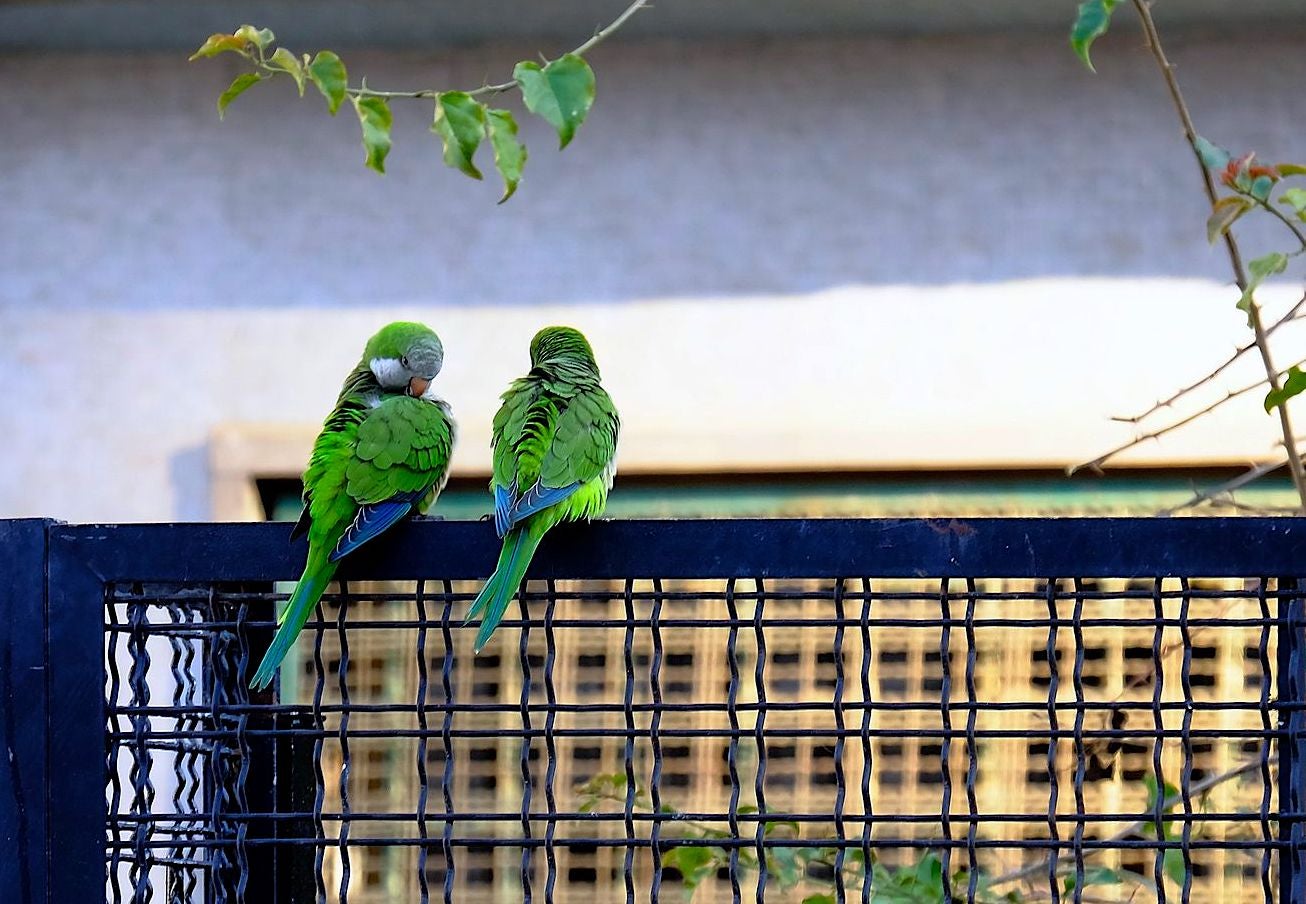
x=405, y=356
x=562, y=347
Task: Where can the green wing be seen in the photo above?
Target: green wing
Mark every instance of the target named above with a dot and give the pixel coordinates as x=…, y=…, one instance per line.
x=585, y=442
x=400, y=462
x=331, y=452
x=547, y=447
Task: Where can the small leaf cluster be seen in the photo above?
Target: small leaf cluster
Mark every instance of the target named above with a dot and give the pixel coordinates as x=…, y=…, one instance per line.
x=559, y=91
x=809, y=871
x=1275, y=190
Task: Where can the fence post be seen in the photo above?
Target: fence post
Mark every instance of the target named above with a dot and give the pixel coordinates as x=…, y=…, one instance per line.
x=23, y=713
x=75, y=720
x=1292, y=747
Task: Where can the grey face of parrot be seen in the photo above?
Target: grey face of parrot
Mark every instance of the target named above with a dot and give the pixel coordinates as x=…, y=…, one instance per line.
x=413, y=371
x=424, y=359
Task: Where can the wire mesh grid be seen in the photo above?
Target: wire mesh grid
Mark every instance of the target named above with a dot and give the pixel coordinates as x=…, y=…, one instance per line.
x=739, y=740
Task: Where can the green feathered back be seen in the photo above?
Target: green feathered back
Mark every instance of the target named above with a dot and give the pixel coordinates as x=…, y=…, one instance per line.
x=555, y=443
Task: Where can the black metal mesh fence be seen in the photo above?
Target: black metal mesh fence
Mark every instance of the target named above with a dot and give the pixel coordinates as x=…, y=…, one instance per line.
x=785, y=739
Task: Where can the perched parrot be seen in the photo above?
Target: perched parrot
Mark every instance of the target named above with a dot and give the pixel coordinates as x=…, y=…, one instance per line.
x=555, y=444
x=383, y=452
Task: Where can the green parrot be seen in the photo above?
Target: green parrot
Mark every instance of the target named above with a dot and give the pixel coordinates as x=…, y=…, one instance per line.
x=383, y=452
x=555, y=445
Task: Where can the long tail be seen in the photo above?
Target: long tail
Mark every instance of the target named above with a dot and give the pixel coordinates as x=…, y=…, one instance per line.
x=518, y=549
x=312, y=584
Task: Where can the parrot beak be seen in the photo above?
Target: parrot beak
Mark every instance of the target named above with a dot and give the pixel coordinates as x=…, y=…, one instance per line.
x=417, y=386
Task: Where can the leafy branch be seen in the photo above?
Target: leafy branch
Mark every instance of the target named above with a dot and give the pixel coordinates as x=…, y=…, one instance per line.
x=559, y=91
x=1295, y=313
x=1097, y=463
x=1145, y=826
x=1253, y=187
x=815, y=872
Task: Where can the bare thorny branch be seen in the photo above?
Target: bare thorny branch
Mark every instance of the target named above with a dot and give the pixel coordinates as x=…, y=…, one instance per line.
x=1294, y=314
x=1198, y=787
x=1222, y=493
x=1261, y=333
x=1097, y=463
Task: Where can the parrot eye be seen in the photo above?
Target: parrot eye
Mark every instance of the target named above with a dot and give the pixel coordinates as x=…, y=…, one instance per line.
x=403, y=359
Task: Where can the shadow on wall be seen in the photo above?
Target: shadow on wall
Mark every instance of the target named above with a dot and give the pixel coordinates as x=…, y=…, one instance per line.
x=712, y=169
x=189, y=475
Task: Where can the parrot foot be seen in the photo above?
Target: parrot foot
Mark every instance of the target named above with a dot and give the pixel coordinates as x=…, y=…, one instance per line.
x=428, y=517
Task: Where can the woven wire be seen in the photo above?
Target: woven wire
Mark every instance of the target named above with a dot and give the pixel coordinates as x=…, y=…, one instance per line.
x=796, y=731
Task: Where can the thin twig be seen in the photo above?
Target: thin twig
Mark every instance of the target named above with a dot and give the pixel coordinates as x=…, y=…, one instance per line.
x=1097, y=463
x=1292, y=227
x=1256, y=472
x=1255, y=509
x=594, y=40
x=1285, y=421
x=1135, y=827
x=1292, y=314
x=1144, y=8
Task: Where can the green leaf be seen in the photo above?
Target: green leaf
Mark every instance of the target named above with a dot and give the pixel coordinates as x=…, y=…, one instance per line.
x=1291, y=169
x=1296, y=199
x=790, y=824
x=259, y=37
x=1092, y=23
x=1225, y=214
x=1099, y=876
x=693, y=863
x=1213, y=156
x=509, y=153
x=328, y=73
x=604, y=782
x=1173, y=864
x=819, y=899
x=1264, y=267
x=1260, y=269
x=1168, y=791
x=561, y=92
x=221, y=43
x=1261, y=188
x=784, y=866
x=460, y=123
x=285, y=60
x=238, y=87
x=929, y=872
x=1295, y=385
x=375, y=118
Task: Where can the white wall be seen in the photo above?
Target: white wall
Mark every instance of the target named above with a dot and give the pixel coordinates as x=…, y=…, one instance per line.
x=860, y=253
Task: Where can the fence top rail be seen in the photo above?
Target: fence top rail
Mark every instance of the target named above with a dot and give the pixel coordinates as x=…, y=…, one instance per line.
x=716, y=548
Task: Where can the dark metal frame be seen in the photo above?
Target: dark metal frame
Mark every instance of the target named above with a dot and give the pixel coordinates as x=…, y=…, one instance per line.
x=52, y=637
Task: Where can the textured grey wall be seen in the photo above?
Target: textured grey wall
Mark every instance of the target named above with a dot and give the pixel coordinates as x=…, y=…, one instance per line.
x=706, y=170
x=158, y=269
x=140, y=24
